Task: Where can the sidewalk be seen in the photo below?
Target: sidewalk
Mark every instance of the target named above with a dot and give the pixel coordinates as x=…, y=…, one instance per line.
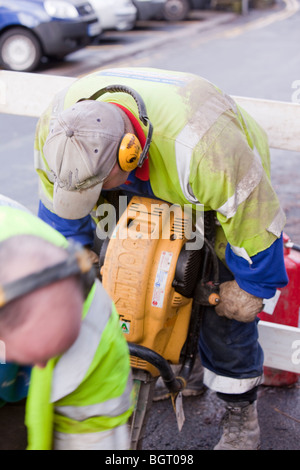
x=201, y=21
x=115, y=46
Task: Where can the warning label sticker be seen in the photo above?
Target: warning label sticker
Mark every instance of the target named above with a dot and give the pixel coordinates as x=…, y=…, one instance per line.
x=125, y=326
x=161, y=279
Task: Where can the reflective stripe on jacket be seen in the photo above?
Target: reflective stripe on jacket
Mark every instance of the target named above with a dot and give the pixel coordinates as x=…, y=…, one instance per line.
x=205, y=151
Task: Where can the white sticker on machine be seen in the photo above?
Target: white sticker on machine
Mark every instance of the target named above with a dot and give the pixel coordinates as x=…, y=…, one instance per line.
x=161, y=279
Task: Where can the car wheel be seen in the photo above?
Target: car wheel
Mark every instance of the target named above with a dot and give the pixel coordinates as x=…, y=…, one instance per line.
x=19, y=50
x=176, y=10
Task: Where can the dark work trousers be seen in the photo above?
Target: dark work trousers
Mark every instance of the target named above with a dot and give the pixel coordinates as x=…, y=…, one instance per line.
x=230, y=349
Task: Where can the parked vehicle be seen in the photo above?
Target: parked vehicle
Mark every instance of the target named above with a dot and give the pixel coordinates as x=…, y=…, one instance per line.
x=149, y=9
x=117, y=15
x=32, y=29
x=177, y=10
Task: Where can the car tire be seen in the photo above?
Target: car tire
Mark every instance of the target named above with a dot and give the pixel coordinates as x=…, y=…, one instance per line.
x=176, y=10
x=20, y=50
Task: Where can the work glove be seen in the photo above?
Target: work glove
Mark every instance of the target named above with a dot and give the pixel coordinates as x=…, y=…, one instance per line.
x=237, y=304
x=94, y=258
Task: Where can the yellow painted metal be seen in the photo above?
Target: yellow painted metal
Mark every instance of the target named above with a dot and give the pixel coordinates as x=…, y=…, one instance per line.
x=138, y=272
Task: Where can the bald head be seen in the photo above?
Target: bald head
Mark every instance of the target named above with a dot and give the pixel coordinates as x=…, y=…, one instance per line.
x=25, y=254
x=45, y=322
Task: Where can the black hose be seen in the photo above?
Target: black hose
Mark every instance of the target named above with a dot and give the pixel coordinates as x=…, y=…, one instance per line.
x=191, y=342
x=214, y=260
x=173, y=383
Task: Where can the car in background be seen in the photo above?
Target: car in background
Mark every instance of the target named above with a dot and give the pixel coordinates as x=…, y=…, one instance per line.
x=117, y=15
x=32, y=29
x=178, y=10
x=149, y=9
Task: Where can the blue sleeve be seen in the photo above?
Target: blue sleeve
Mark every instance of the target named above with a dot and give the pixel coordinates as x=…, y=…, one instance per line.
x=136, y=186
x=14, y=382
x=79, y=230
x=266, y=273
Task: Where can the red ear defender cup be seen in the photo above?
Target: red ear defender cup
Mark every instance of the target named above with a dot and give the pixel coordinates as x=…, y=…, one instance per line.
x=129, y=152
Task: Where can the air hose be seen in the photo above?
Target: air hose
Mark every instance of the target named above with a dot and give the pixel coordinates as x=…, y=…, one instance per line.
x=174, y=384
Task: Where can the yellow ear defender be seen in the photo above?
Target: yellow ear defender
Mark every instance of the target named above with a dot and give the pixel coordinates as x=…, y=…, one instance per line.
x=130, y=154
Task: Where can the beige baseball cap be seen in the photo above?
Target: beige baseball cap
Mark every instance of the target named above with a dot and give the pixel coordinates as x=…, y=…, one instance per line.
x=81, y=150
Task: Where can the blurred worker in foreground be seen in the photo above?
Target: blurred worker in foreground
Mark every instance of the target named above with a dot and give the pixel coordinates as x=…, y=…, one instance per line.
x=56, y=316
x=176, y=137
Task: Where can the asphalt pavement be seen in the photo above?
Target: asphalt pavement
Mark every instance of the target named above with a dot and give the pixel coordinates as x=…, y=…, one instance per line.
x=278, y=411
x=279, y=419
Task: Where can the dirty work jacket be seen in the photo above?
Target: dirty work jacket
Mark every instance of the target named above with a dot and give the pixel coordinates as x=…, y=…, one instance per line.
x=87, y=390
x=206, y=151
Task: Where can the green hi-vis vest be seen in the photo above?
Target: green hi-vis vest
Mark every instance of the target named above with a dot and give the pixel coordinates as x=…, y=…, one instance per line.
x=16, y=219
x=206, y=151
x=88, y=388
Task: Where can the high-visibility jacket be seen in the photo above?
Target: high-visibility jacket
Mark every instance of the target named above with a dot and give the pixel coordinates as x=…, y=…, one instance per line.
x=87, y=390
x=206, y=151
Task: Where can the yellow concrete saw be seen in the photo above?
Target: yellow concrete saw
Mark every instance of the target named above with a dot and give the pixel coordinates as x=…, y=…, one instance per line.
x=151, y=271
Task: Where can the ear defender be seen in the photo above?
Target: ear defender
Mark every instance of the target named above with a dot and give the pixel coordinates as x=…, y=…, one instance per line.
x=129, y=152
